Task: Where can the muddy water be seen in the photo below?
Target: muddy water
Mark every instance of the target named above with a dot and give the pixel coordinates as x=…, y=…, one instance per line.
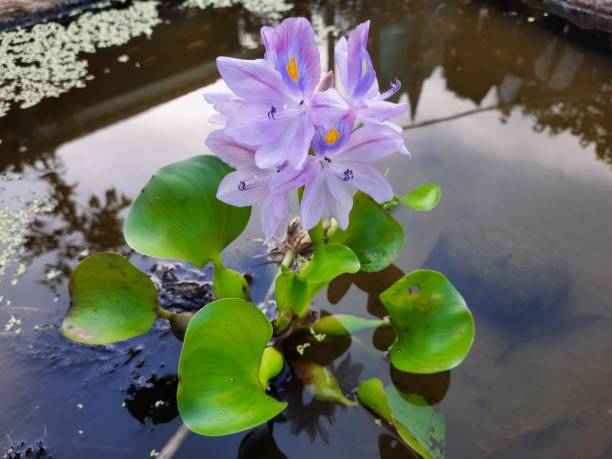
x=510, y=113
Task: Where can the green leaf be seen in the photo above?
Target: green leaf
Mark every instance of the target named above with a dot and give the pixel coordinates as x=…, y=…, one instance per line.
x=293, y=292
x=321, y=382
x=423, y=198
x=345, y=324
x=433, y=326
x=336, y=259
x=373, y=234
x=111, y=300
x=372, y=394
x=220, y=391
x=228, y=283
x=420, y=426
x=177, y=214
x=272, y=362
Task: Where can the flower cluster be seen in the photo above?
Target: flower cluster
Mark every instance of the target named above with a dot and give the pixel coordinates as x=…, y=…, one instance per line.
x=285, y=127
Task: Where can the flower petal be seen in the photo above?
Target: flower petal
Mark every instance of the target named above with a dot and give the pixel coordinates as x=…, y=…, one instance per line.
x=255, y=81
x=360, y=71
x=330, y=139
x=327, y=107
x=370, y=180
x=292, y=145
x=340, y=56
x=241, y=189
x=292, y=48
x=380, y=110
x=274, y=210
x=231, y=152
x=341, y=202
x=370, y=142
x=314, y=199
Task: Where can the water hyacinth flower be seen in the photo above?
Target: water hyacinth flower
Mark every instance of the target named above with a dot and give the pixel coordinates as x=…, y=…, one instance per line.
x=341, y=165
x=358, y=79
x=285, y=127
x=277, y=107
x=249, y=184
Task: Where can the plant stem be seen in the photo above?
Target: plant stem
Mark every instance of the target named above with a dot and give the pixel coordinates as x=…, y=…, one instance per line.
x=174, y=443
x=164, y=313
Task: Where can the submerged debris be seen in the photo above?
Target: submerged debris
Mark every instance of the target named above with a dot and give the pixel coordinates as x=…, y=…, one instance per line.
x=23, y=450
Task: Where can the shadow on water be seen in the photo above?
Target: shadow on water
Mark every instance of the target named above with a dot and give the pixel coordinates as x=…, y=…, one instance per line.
x=510, y=113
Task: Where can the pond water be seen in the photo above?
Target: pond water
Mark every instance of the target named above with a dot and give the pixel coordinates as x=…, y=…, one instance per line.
x=511, y=114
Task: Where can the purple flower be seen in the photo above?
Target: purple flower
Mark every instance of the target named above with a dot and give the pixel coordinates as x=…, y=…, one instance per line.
x=250, y=184
x=275, y=106
x=341, y=165
x=358, y=79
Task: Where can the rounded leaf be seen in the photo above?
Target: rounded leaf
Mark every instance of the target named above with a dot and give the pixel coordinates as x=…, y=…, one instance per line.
x=433, y=326
x=423, y=198
x=177, y=214
x=111, y=300
x=373, y=234
x=219, y=390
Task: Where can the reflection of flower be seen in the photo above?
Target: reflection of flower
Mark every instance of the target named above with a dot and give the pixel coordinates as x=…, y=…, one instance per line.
x=284, y=127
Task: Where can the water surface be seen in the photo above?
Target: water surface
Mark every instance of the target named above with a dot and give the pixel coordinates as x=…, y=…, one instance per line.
x=510, y=113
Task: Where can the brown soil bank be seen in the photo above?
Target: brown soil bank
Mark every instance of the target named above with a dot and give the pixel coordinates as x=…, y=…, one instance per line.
x=589, y=14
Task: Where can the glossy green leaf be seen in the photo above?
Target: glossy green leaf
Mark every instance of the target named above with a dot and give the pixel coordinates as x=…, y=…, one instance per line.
x=272, y=362
x=177, y=214
x=321, y=382
x=345, y=324
x=420, y=426
x=433, y=326
x=371, y=393
x=423, y=198
x=336, y=259
x=228, y=283
x=220, y=391
x=111, y=300
x=293, y=292
x=373, y=234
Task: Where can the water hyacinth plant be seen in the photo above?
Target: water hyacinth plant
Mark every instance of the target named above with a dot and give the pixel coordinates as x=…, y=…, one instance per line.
x=285, y=131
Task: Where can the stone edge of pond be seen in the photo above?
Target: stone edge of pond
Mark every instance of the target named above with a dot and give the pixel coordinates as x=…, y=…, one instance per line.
x=586, y=14
x=54, y=12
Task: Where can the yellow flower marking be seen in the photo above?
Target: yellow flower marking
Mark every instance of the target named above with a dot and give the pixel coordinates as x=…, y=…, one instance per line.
x=332, y=136
x=292, y=70
x=364, y=67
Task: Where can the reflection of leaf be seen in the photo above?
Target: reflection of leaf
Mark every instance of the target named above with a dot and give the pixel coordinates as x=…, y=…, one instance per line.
x=418, y=424
x=259, y=443
x=111, y=301
x=423, y=198
x=373, y=234
x=177, y=214
x=220, y=392
x=433, y=325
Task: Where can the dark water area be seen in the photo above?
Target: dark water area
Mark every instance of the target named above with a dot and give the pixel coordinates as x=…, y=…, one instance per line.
x=510, y=112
